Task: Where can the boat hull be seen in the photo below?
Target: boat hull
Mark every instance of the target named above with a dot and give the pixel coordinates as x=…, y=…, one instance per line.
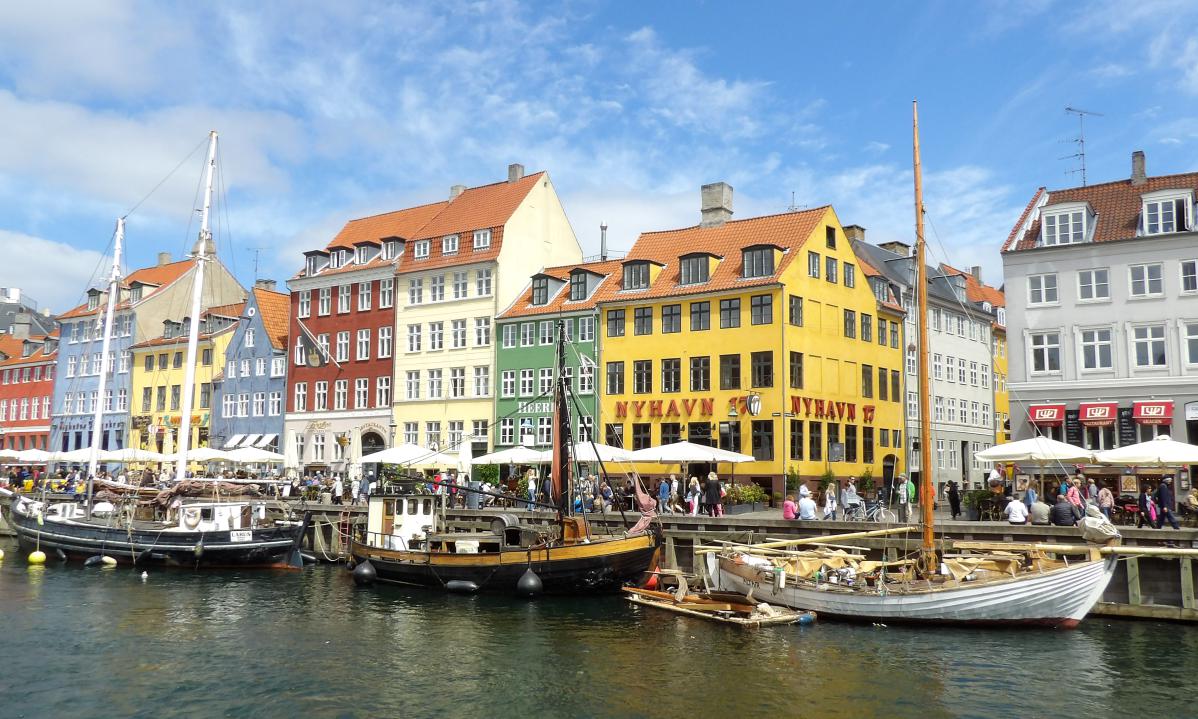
x=599, y=566
x=1059, y=598
x=267, y=547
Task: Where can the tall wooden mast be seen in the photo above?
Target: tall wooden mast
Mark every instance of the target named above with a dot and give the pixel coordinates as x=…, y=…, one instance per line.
x=927, y=491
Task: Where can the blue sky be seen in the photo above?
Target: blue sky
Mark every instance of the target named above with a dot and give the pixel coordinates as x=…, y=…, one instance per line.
x=332, y=111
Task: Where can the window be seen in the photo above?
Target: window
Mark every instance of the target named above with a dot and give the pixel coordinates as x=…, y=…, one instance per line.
x=729, y=313
x=1093, y=285
x=761, y=309
x=1165, y=215
x=695, y=269
x=482, y=331
x=700, y=316
x=457, y=382
x=1042, y=289
x=938, y=367
x=758, y=262
x=578, y=286
x=895, y=383
x=527, y=382
x=867, y=328
x=642, y=321
x=1096, y=349
x=305, y=303
x=482, y=381
x=1146, y=280
x=459, y=334
x=830, y=237
x=730, y=371
x=415, y=291
x=761, y=369
x=301, y=396
x=436, y=288
x=796, y=370
x=434, y=384
x=952, y=410
x=386, y=293
x=882, y=393
x=320, y=398
x=146, y=399
x=363, y=345
x=813, y=264
x=1046, y=351
x=540, y=290
x=249, y=337
x=671, y=319
x=449, y=245
x=850, y=443
x=413, y=338
x=586, y=328
x=259, y=405
x=545, y=386
x=671, y=375
x=850, y=275
x=815, y=441
x=850, y=324
x=701, y=370
x=636, y=275
x=411, y=432
x=432, y=434
x=1189, y=276
x=796, y=311
x=1149, y=344
x=342, y=347
x=912, y=405
x=867, y=381
x=482, y=239
x=436, y=335
x=642, y=376
x=586, y=379
x=528, y=334
x=324, y=301
x=796, y=439
x=507, y=383
x=830, y=269
x=615, y=378
x=343, y=299
x=1064, y=228
x=642, y=436
x=177, y=362
x=385, y=342
x=507, y=431
x=1190, y=339
x=176, y=394
x=867, y=445
x=615, y=323
x=763, y=439
x=973, y=374
x=509, y=335
x=482, y=283
x=364, y=296
x=420, y=249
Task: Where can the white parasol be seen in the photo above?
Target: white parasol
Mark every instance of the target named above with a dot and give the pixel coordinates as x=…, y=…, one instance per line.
x=1162, y=450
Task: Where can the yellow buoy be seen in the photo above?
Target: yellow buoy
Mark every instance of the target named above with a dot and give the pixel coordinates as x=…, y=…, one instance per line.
x=108, y=561
x=37, y=557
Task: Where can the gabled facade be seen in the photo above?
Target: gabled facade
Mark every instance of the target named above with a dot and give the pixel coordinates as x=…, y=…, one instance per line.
x=27, y=367
x=992, y=299
x=760, y=336
x=149, y=297
x=526, y=353
x=1102, y=288
x=247, y=405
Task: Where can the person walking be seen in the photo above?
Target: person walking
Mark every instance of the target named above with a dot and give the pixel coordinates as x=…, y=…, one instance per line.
x=712, y=493
x=954, y=498
x=904, y=495
x=830, y=502
x=1147, y=509
x=693, y=495
x=674, y=496
x=1164, y=504
x=663, y=496
x=1074, y=495
x=530, y=478
x=338, y=490
x=849, y=499
x=364, y=487
x=1106, y=501
x=1091, y=491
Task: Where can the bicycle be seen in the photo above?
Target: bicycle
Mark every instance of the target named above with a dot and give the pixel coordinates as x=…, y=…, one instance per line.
x=871, y=512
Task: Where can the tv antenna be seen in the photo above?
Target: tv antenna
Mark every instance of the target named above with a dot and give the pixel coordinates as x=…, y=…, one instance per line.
x=257, y=251
x=792, y=207
x=1080, y=140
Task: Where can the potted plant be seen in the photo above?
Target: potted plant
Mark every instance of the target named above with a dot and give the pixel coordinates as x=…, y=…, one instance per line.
x=743, y=498
x=972, y=501
x=866, y=485
x=826, y=480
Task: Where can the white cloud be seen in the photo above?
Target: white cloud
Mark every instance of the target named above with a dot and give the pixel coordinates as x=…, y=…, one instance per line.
x=53, y=273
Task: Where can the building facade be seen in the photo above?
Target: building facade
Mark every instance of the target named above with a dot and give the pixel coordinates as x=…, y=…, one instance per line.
x=526, y=353
x=760, y=336
x=959, y=338
x=149, y=297
x=1102, y=282
x=27, y=367
x=18, y=308
x=992, y=299
x=159, y=366
x=248, y=395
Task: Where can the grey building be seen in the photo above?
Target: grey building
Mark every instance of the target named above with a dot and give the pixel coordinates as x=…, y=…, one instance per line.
x=16, y=307
x=1102, y=293
x=960, y=359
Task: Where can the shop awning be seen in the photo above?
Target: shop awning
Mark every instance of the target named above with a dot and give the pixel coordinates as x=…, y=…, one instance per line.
x=1046, y=415
x=267, y=440
x=1097, y=414
x=1153, y=412
x=249, y=440
x=233, y=441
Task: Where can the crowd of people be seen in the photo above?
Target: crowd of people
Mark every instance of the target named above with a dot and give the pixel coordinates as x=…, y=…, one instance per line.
x=1154, y=505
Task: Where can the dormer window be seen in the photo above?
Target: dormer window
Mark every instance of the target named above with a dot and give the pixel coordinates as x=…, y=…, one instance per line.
x=135, y=293
x=449, y=245
x=482, y=239
x=1065, y=225
x=881, y=291
x=540, y=291
x=695, y=269
x=1002, y=316
x=362, y=255
x=421, y=249
x=578, y=286
x=758, y=262
x=335, y=259
x=93, y=300
x=390, y=250
x=636, y=275
x=1167, y=211
x=314, y=264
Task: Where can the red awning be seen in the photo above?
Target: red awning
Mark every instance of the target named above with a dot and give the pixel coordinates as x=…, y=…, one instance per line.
x=1152, y=412
x=1047, y=415
x=1097, y=414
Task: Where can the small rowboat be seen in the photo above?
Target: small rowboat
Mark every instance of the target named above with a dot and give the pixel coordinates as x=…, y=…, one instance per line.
x=726, y=607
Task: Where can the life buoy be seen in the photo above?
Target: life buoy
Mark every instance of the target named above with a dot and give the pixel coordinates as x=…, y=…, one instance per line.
x=191, y=518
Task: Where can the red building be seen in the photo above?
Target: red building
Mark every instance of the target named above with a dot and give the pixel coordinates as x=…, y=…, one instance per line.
x=26, y=389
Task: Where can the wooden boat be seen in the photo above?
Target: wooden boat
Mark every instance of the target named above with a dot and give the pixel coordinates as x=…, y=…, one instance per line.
x=406, y=541
x=724, y=607
x=985, y=584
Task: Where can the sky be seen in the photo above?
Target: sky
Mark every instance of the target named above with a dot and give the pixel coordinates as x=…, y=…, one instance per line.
x=331, y=111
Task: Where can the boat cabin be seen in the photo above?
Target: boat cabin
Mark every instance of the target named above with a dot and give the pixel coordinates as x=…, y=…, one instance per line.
x=219, y=516
x=413, y=522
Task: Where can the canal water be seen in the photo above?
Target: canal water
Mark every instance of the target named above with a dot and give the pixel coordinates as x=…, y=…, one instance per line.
x=78, y=642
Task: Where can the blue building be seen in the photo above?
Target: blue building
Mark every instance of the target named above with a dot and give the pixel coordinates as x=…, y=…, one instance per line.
x=249, y=398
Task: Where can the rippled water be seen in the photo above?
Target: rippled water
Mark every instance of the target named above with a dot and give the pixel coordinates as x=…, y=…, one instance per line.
x=102, y=643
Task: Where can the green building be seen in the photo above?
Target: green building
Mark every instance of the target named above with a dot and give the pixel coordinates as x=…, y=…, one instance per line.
x=526, y=353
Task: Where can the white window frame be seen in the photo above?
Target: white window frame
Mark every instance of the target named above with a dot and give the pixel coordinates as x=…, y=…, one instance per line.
x=482, y=283
x=450, y=244
x=1181, y=276
x=364, y=295
x=482, y=239
x=362, y=350
x=507, y=384
x=1032, y=347
x=1050, y=224
x=412, y=384
x=305, y=304
x=1162, y=199
x=386, y=345
x=1082, y=344
x=1094, y=284
x=1133, y=341
x=1147, y=280
x=420, y=249
x=1190, y=359
x=1043, y=285
x=386, y=293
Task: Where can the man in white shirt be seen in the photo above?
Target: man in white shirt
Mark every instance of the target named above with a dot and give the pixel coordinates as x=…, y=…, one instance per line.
x=1016, y=512
x=806, y=507
x=803, y=491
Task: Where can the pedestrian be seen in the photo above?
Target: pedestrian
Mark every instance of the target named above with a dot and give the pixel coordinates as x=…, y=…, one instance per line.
x=1064, y=513
x=364, y=487
x=849, y=499
x=905, y=496
x=1029, y=497
x=693, y=495
x=790, y=511
x=807, y=508
x=1164, y=504
x=830, y=502
x=712, y=493
x=674, y=505
x=1074, y=495
x=663, y=496
x=1016, y=512
x=803, y=491
x=530, y=478
x=1092, y=491
x=953, y=492
x=547, y=489
x=338, y=490
x=1106, y=501
x=1147, y=509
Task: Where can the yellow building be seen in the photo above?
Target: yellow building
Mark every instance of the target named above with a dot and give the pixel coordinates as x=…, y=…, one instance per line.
x=158, y=372
x=764, y=336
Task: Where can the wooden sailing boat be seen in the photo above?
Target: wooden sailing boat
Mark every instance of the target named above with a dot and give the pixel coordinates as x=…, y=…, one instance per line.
x=407, y=542
x=983, y=584
x=201, y=533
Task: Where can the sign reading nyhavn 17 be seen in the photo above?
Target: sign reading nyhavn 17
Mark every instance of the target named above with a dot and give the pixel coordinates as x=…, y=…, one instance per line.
x=808, y=407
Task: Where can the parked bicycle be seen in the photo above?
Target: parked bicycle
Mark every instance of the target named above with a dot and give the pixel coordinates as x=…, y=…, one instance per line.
x=871, y=512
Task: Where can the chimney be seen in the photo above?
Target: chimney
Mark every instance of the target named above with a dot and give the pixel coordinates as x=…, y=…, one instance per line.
x=717, y=204
x=1138, y=173
x=603, y=242
x=20, y=325
x=265, y=284
x=855, y=233
x=456, y=190
x=976, y=271
x=164, y=258
x=902, y=249
x=515, y=171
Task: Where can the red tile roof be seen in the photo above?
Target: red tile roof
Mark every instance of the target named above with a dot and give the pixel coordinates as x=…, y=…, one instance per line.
x=154, y=277
x=1116, y=206
x=275, y=310
x=233, y=310
x=788, y=231
x=400, y=223
x=976, y=290
x=11, y=349
x=560, y=301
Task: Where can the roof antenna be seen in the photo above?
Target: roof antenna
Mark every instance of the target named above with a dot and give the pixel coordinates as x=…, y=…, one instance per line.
x=256, y=251
x=792, y=207
x=1080, y=140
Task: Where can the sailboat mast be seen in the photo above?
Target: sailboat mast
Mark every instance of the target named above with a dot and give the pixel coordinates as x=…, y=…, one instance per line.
x=561, y=428
x=114, y=296
x=927, y=492
x=200, y=253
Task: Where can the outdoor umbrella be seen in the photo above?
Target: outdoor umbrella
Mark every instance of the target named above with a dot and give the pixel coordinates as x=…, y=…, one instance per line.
x=1040, y=450
x=433, y=460
x=254, y=455
x=513, y=455
x=595, y=452
x=1162, y=450
x=680, y=452
x=33, y=456
x=83, y=454
x=203, y=454
x=8, y=454
x=131, y=454
x=399, y=454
